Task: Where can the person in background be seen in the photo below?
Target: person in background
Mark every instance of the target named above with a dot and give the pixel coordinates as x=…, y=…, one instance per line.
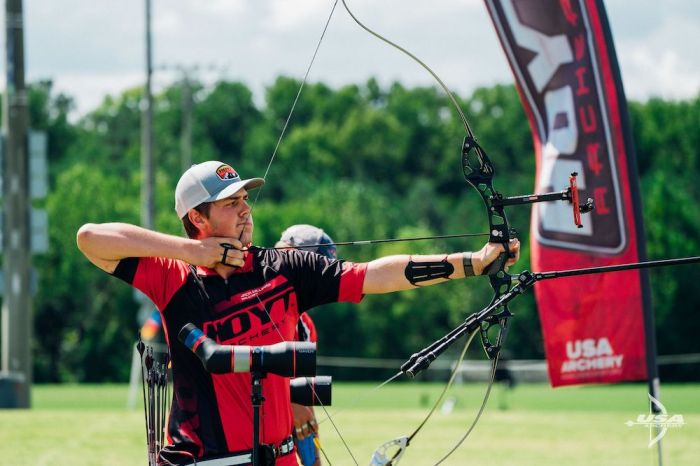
x=312, y=239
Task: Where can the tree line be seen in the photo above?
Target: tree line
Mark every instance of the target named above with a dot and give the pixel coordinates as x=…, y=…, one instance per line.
x=361, y=161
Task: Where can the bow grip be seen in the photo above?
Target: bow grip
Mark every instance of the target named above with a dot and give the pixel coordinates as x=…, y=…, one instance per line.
x=496, y=266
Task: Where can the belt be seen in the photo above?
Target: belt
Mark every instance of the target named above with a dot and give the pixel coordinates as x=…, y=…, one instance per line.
x=287, y=446
x=246, y=457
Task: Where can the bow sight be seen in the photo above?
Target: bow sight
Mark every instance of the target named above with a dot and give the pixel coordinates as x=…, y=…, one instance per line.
x=476, y=170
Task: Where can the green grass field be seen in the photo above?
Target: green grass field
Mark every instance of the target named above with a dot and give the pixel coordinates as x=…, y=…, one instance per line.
x=89, y=425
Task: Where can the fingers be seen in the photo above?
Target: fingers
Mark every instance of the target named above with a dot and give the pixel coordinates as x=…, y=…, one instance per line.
x=304, y=421
x=212, y=251
x=490, y=253
x=305, y=430
x=514, y=249
x=231, y=252
x=233, y=242
x=313, y=425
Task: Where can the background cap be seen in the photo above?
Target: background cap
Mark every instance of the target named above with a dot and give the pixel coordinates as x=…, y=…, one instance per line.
x=209, y=182
x=304, y=235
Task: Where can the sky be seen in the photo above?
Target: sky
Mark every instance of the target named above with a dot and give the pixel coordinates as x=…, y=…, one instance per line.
x=91, y=49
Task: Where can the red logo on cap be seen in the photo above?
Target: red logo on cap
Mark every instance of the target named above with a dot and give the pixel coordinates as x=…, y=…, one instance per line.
x=225, y=172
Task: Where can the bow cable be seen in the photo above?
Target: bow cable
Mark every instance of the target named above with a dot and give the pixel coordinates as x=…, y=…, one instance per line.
x=257, y=195
x=447, y=386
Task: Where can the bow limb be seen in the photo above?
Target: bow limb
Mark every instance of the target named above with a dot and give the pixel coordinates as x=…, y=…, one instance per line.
x=451, y=96
x=382, y=455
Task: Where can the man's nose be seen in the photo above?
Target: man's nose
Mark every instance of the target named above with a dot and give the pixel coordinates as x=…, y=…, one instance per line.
x=245, y=211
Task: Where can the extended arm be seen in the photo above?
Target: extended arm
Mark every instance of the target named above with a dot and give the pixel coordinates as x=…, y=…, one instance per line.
x=395, y=273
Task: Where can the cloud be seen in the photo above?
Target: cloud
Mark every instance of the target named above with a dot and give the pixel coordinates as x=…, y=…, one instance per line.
x=226, y=7
x=286, y=15
x=167, y=22
x=90, y=89
x=664, y=62
x=101, y=44
x=667, y=74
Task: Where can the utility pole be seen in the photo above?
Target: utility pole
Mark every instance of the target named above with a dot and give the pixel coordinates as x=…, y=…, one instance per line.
x=147, y=175
x=187, y=103
x=186, y=132
x=16, y=369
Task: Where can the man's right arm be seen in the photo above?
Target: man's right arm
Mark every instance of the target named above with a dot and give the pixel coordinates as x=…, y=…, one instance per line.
x=106, y=244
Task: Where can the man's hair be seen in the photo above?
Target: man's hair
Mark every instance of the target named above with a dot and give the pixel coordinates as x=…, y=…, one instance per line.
x=191, y=230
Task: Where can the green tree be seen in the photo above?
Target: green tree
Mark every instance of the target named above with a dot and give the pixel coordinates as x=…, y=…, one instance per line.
x=85, y=320
x=361, y=161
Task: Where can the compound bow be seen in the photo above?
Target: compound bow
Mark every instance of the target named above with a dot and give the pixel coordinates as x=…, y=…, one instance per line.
x=478, y=172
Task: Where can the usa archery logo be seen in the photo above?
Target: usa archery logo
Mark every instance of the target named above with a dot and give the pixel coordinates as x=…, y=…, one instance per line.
x=591, y=356
x=662, y=422
x=226, y=172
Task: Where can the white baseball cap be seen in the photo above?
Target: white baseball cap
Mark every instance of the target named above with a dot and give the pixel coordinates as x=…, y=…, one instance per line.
x=302, y=236
x=209, y=182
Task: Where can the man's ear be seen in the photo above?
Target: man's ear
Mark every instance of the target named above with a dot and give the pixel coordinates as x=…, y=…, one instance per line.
x=197, y=219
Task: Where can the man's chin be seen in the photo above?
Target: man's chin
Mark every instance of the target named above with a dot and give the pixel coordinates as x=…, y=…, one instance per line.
x=246, y=238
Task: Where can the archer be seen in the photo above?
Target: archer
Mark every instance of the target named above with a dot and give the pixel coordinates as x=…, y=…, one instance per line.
x=240, y=294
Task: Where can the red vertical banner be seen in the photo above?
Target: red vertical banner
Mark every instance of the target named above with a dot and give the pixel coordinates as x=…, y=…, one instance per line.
x=564, y=64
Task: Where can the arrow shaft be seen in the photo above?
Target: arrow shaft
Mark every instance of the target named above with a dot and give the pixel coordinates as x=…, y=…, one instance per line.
x=388, y=240
x=617, y=268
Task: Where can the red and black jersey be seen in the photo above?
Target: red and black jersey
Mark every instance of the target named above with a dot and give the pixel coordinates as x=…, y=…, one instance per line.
x=259, y=304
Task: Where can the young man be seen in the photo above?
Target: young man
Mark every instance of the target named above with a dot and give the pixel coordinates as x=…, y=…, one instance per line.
x=241, y=295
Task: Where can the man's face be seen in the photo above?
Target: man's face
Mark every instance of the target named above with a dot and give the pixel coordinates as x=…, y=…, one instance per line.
x=230, y=217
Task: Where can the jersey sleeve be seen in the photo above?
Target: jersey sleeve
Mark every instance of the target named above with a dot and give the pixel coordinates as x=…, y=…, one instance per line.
x=157, y=277
x=319, y=280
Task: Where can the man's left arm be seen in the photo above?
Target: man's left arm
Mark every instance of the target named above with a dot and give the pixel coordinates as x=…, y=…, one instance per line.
x=403, y=272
